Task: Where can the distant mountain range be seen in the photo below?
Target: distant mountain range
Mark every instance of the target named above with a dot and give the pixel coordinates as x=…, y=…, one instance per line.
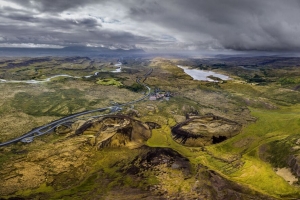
x=66, y=51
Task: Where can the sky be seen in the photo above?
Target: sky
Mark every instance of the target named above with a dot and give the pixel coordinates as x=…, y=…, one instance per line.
x=154, y=25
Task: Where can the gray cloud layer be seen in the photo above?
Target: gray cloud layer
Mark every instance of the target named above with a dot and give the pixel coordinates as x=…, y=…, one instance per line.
x=168, y=24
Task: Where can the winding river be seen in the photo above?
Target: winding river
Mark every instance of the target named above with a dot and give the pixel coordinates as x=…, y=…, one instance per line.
x=119, y=64
x=37, y=81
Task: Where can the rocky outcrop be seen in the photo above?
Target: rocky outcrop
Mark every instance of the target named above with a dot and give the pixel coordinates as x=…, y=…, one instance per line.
x=153, y=125
x=294, y=163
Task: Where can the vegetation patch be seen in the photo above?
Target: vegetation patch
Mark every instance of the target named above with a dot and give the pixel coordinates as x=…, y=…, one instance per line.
x=109, y=81
x=135, y=87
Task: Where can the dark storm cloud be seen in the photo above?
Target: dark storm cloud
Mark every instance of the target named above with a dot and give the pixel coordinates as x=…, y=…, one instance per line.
x=234, y=24
x=170, y=24
x=44, y=35
x=61, y=31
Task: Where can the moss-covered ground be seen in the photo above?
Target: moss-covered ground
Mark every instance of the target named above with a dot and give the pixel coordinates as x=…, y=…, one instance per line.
x=109, y=82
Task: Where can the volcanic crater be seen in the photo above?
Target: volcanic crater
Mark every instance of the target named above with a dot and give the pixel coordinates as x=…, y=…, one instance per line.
x=205, y=130
x=116, y=131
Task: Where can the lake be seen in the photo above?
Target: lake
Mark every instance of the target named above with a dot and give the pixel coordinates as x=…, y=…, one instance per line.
x=202, y=75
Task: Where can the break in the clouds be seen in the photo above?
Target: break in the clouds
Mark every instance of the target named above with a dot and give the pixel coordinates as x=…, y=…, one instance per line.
x=152, y=24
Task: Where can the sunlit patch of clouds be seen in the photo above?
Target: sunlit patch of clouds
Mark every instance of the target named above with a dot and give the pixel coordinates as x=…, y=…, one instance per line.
x=94, y=45
x=30, y=45
x=5, y=3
